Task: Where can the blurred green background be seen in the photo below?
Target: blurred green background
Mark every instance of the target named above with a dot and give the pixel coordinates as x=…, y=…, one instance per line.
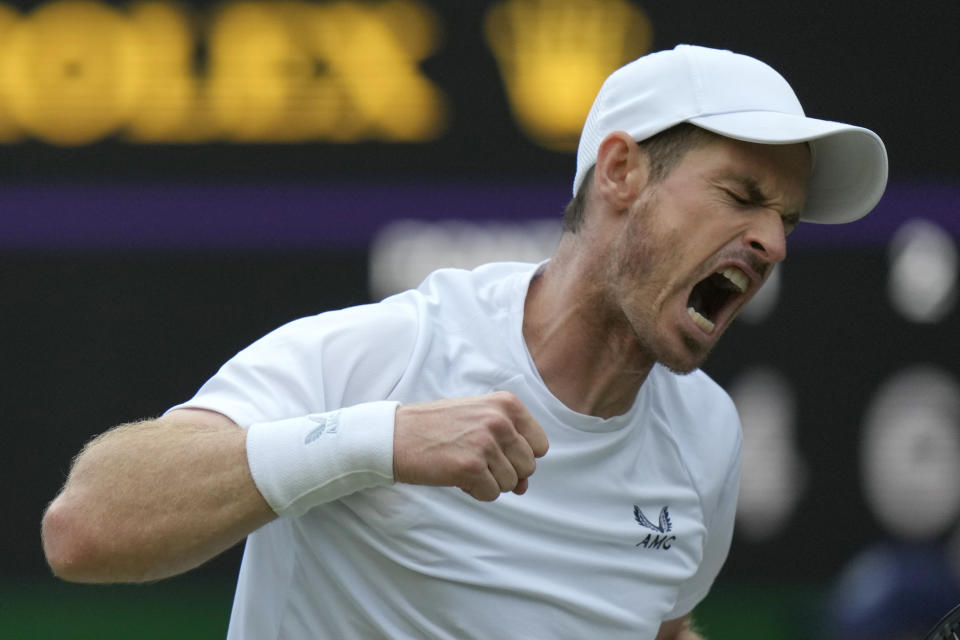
x=188, y=609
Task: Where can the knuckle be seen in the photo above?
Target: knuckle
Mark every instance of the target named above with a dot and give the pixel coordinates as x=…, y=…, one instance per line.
x=504, y=399
x=500, y=427
x=485, y=444
x=472, y=466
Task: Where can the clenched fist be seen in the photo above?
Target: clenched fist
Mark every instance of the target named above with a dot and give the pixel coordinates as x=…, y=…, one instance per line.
x=485, y=444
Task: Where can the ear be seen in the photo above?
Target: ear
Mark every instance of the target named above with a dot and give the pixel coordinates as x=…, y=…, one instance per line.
x=621, y=171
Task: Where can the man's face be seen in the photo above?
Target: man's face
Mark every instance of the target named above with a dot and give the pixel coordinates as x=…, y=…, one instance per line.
x=696, y=246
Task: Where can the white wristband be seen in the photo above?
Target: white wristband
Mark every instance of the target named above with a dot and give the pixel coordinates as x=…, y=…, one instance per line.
x=302, y=462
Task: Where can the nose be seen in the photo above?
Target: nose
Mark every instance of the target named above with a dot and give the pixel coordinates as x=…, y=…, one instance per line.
x=767, y=237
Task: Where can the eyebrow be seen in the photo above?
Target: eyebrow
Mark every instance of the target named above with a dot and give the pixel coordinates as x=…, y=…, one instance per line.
x=756, y=195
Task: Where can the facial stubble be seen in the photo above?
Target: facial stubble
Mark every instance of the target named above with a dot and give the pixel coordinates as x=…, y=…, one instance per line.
x=639, y=286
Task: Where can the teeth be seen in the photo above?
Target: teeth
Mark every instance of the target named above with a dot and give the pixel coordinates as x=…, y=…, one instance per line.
x=736, y=277
x=700, y=321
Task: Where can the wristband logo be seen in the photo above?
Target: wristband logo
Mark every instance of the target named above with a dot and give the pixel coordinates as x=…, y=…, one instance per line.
x=326, y=423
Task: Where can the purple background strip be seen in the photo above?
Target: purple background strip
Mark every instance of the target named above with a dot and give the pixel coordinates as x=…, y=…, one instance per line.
x=276, y=216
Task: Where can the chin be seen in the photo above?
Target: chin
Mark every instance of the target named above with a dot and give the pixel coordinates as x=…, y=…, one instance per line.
x=687, y=358
x=680, y=370
x=680, y=367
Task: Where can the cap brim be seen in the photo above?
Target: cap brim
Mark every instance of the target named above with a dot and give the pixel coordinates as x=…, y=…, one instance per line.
x=849, y=163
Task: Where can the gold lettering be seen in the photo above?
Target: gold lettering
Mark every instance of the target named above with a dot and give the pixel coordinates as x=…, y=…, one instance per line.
x=320, y=109
x=75, y=71
x=373, y=52
x=257, y=69
x=9, y=131
x=169, y=105
x=342, y=71
x=70, y=71
x=554, y=55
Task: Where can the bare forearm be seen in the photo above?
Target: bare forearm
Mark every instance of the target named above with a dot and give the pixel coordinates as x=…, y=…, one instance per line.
x=684, y=634
x=153, y=499
x=678, y=629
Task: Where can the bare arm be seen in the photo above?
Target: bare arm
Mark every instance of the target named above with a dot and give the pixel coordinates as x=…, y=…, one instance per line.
x=679, y=629
x=153, y=499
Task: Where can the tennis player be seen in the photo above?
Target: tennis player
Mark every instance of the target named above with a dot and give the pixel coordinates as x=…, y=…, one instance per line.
x=517, y=451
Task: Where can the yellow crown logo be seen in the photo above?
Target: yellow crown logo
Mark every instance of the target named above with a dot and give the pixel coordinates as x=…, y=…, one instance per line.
x=555, y=54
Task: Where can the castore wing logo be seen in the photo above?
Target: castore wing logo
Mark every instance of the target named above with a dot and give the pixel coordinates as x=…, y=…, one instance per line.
x=661, y=539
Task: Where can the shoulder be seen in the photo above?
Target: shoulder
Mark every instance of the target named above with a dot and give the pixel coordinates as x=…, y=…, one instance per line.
x=386, y=325
x=481, y=284
x=455, y=298
x=313, y=364
x=704, y=423
x=696, y=398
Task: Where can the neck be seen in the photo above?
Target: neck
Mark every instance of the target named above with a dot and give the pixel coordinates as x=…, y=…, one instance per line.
x=582, y=346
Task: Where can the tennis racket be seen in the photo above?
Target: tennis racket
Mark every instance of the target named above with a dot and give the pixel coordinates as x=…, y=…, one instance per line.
x=948, y=628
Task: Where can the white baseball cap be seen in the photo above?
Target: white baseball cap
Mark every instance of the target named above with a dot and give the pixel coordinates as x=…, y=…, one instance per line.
x=742, y=98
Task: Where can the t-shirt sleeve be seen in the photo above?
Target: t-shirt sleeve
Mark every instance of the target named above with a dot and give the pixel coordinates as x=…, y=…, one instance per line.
x=315, y=364
x=719, y=522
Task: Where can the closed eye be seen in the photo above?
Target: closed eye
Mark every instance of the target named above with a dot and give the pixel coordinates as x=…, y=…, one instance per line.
x=790, y=220
x=738, y=198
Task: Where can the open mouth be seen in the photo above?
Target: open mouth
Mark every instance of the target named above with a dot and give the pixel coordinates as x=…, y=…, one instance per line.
x=712, y=295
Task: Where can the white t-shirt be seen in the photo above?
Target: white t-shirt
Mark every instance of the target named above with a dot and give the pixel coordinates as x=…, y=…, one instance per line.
x=626, y=522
